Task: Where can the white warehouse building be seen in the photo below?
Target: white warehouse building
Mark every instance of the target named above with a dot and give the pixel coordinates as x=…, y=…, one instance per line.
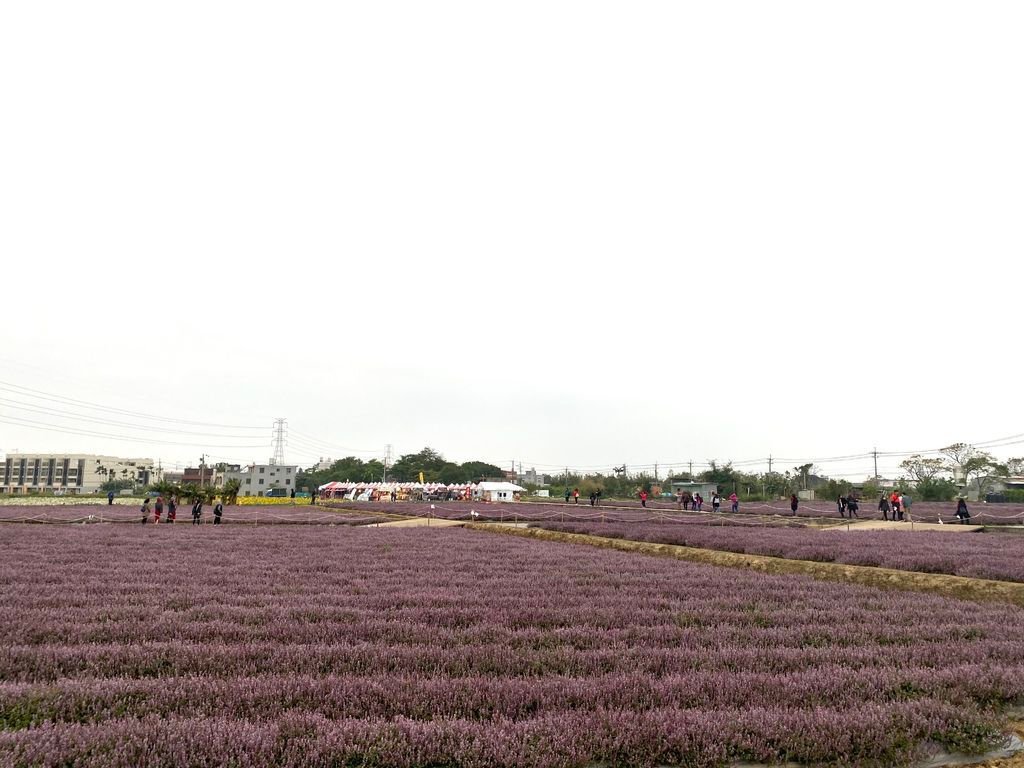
x=257, y=479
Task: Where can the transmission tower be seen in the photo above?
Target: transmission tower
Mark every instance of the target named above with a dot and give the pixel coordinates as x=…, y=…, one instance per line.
x=279, y=436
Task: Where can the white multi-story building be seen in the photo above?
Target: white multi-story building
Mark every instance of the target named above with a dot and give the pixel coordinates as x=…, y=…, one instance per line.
x=258, y=479
x=76, y=473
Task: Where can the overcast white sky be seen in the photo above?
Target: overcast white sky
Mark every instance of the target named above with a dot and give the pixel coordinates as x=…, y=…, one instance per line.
x=578, y=233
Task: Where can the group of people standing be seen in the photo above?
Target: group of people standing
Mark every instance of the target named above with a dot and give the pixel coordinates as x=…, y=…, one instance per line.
x=896, y=504
x=684, y=499
x=172, y=511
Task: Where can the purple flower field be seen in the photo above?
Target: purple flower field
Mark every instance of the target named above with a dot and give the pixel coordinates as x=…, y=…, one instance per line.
x=300, y=514
x=629, y=511
x=979, y=555
x=300, y=646
x=923, y=511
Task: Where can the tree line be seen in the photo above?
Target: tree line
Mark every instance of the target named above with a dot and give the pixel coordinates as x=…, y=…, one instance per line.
x=407, y=468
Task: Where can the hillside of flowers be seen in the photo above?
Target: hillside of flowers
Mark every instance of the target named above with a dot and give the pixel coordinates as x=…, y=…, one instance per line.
x=983, y=556
x=315, y=646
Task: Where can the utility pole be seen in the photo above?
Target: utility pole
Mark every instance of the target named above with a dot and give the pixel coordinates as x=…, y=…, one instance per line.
x=202, y=470
x=769, y=465
x=387, y=462
x=655, y=471
x=691, y=470
x=279, y=435
x=874, y=453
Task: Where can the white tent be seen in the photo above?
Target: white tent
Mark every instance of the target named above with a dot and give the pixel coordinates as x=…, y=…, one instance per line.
x=497, y=491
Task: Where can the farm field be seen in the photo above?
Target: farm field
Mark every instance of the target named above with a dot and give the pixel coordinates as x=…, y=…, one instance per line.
x=628, y=511
x=983, y=556
x=300, y=646
x=923, y=511
x=301, y=514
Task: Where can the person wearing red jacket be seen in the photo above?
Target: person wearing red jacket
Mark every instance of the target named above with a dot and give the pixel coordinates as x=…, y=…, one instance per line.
x=643, y=498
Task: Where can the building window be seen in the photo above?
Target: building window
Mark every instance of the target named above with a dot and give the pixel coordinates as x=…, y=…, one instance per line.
x=262, y=470
x=288, y=482
x=248, y=481
x=261, y=481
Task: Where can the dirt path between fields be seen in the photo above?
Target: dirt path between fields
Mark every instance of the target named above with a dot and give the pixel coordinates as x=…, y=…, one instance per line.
x=987, y=590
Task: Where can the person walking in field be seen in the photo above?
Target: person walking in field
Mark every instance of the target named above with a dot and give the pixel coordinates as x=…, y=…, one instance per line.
x=575, y=495
x=962, y=512
x=841, y=506
x=716, y=501
x=894, y=504
x=110, y=498
x=851, y=507
x=883, y=507
x=158, y=509
x=593, y=498
x=172, y=510
x=905, y=503
x=735, y=500
x=794, y=503
x=197, y=512
x=698, y=502
x=643, y=498
x=568, y=493
x=145, y=510
x=217, y=512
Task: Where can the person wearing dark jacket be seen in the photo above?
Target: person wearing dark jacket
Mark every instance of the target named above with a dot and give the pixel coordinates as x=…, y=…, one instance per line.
x=852, y=506
x=217, y=512
x=961, y=511
x=197, y=512
x=883, y=507
x=794, y=503
x=145, y=510
x=841, y=504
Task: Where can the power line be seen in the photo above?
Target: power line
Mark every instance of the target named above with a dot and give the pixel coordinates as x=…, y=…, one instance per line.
x=327, y=444
x=22, y=406
x=41, y=395
x=15, y=421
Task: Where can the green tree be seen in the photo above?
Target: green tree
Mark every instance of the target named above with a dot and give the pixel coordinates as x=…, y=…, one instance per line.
x=475, y=471
x=428, y=461
x=229, y=493
x=1010, y=468
x=116, y=485
x=935, y=489
x=165, y=488
x=725, y=477
x=918, y=468
x=801, y=475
